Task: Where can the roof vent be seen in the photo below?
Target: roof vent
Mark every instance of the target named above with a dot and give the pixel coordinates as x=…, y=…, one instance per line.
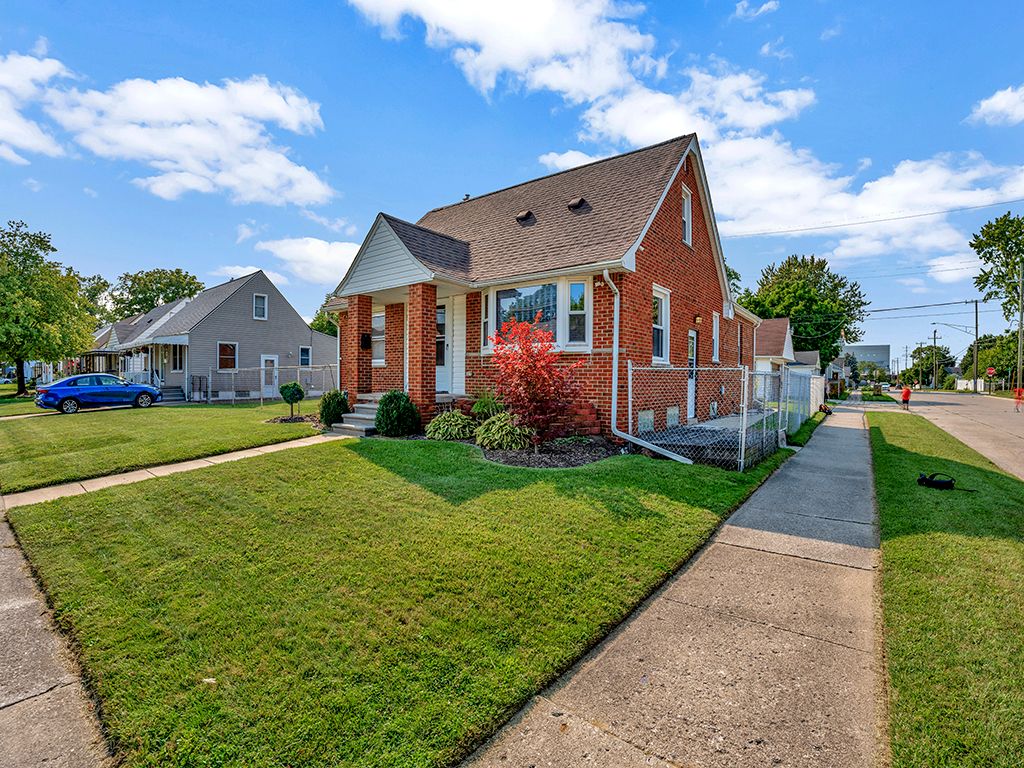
x=576, y=203
x=524, y=216
x=465, y=197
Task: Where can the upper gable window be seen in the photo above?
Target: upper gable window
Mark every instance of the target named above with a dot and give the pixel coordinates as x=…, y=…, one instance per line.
x=687, y=216
x=259, y=306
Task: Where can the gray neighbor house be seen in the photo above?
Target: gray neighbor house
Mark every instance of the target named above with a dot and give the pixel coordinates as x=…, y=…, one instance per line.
x=240, y=339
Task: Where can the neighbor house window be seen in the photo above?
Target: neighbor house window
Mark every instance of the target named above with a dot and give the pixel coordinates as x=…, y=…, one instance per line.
x=687, y=216
x=377, y=339
x=259, y=306
x=716, y=323
x=577, y=313
x=524, y=304
x=227, y=355
x=659, y=325
x=177, y=358
x=305, y=355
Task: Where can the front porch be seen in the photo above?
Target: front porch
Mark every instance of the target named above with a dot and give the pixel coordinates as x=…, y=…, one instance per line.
x=164, y=366
x=361, y=422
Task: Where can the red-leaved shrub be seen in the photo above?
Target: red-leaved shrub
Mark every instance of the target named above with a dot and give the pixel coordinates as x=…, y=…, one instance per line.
x=531, y=382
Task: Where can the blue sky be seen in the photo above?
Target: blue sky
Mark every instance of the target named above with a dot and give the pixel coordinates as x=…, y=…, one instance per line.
x=223, y=136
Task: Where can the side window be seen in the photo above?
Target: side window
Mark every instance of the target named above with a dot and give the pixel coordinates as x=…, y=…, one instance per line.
x=259, y=306
x=687, y=216
x=227, y=356
x=716, y=324
x=739, y=343
x=577, y=313
x=659, y=326
x=377, y=340
x=485, y=319
x=305, y=355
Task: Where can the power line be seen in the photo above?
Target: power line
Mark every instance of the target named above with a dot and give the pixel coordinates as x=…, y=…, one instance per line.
x=862, y=222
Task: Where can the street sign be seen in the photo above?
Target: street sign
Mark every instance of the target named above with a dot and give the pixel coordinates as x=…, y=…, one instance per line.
x=990, y=371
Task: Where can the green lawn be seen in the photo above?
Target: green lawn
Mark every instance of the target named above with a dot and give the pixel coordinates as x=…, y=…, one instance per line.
x=359, y=603
x=952, y=570
x=871, y=397
x=802, y=435
x=11, y=405
x=59, y=449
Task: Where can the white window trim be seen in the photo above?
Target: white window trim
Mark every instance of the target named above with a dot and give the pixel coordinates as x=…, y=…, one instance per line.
x=266, y=306
x=237, y=351
x=302, y=347
x=181, y=347
x=687, y=211
x=666, y=296
x=739, y=343
x=716, y=330
x=381, y=362
x=562, y=344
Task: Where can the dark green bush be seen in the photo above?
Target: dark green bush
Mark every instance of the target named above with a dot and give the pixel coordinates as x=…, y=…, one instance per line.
x=451, y=425
x=333, y=405
x=487, y=404
x=397, y=415
x=501, y=433
x=292, y=392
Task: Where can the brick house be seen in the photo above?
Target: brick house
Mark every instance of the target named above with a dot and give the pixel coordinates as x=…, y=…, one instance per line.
x=630, y=238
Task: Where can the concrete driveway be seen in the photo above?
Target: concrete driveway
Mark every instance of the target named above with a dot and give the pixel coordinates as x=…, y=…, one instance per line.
x=988, y=424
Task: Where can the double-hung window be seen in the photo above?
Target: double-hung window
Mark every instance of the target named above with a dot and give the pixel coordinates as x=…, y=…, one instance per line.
x=578, y=313
x=227, y=356
x=485, y=320
x=259, y=306
x=660, y=325
x=177, y=358
x=305, y=355
x=377, y=340
x=716, y=324
x=687, y=216
x=563, y=307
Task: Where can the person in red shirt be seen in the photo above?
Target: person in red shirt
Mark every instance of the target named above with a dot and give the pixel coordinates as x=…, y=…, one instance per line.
x=906, y=398
x=1018, y=398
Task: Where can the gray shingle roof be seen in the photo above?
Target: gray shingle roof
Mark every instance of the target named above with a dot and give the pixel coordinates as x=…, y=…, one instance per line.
x=620, y=193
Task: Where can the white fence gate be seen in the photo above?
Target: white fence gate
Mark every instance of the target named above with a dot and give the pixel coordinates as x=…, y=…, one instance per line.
x=726, y=417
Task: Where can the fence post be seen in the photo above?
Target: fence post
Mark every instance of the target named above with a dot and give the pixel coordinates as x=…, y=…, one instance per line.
x=629, y=396
x=209, y=387
x=232, y=386
x=743, y=417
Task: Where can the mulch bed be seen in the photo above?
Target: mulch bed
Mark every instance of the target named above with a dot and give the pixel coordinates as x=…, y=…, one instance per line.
x=312, y=419
x=553, y=455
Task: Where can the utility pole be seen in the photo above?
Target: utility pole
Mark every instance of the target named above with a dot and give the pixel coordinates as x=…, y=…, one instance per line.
x=976, y=346
x=935, y=360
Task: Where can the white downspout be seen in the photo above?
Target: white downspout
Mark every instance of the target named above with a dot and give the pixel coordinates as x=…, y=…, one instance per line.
x=615, y=384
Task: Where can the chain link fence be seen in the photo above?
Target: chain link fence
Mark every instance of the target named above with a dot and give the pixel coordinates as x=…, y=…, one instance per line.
x=725, y=417
x=260, y=383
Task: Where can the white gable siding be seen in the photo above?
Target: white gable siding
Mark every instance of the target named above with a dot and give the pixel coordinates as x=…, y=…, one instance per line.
x=459, y=344
x=383, y=262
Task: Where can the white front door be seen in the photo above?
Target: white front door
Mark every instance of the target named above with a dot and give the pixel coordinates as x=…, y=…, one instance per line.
x=268, y=375
x=443, y=347
x=691, y=383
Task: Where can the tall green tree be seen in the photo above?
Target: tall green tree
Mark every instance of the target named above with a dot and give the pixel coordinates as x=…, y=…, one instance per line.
x=323, y=322
x=96, y=291
x=1000, y=246
x=135, y=293
x=823, y=306
x=734, y=280
x=43, y=313
x=926, y=357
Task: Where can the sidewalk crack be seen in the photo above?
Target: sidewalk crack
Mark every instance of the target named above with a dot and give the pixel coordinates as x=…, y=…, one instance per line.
x=23, y=699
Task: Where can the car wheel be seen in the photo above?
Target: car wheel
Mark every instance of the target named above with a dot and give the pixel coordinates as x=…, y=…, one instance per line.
x=68, y=405
x=144, y=400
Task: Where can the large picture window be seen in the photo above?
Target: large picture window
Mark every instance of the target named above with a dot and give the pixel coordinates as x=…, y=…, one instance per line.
x=377, y=339
x=227, y=356
x=564, y=306
x=523, y=304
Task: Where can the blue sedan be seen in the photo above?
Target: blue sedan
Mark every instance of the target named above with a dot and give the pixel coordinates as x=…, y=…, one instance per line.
x=93, y=390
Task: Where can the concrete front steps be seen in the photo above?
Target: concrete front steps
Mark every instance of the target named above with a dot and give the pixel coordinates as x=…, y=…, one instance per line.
x=359, y=423
x=172, y=394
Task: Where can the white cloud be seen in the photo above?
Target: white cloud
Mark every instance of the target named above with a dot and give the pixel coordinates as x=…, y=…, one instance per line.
x=1005, y=107
x=830, y=32
x=32, y=185
x=774, y=48
x=312, y=259
x=23, y=80
x=335, y=225
x=41, y=47
x=863, y=164
x=560, y=161
x=953, y=269
x=90, y=191
x=913, y=284
x=199, y=137
x=234, y=271
x=746, y=12
x=246, y=230
x=581, y=49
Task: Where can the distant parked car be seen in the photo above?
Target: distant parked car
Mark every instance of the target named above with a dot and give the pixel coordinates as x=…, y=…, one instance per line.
x=93, y=390
x=885, y=387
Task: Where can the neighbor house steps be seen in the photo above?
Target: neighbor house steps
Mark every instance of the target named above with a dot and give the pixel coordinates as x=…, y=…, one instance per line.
x=173, y=394
x=359, y=423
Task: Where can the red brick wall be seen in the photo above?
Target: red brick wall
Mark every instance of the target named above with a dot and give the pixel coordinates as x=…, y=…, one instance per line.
x=422, y=359
x=357, y=373
x=343, y=343
x=392, y=374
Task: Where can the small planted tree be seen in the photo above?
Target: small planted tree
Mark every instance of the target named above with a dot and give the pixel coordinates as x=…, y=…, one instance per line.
x=532, y=383
x=292, y=393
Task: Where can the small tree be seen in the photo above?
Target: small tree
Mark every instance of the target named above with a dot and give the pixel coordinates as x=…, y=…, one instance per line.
x=292, y=393
x=531, y=382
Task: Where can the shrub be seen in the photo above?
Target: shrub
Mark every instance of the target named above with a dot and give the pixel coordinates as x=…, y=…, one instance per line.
x=333, y=405
x=487, y=404
x=397, y=415
x=292, y=392
x=501, y=433
x=451, y=425
x=531, y=383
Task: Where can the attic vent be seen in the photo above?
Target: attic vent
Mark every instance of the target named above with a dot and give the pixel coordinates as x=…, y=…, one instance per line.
x=576, y=203
x=524, y=216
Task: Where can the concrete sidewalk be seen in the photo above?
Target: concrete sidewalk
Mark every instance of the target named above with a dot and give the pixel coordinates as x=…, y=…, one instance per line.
x=761, y=652
x=50, y=492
